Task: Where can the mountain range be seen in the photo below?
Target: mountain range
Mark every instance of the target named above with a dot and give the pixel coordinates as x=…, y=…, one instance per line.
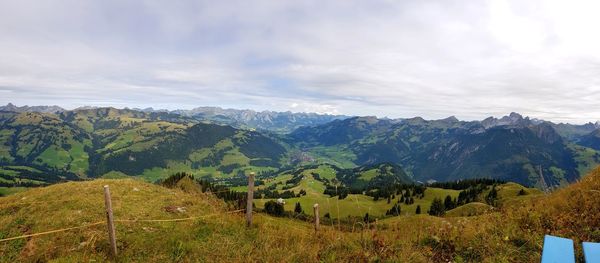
x=511, y=148
x=41, y=144
x=272, y=121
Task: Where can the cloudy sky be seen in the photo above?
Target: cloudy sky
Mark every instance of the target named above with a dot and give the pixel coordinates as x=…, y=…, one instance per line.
x=471, y=59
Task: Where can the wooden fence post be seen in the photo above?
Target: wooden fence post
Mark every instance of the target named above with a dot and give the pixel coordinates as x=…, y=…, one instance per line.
x=110, y=222
x=250, y=199
x=316, y=212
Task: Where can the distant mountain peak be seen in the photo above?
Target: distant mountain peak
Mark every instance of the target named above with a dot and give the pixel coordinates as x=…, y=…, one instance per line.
x=415, y=120
x=43, y=109
x=86, y=108
x=450, y=119
x=516, y=116
x=513, y=119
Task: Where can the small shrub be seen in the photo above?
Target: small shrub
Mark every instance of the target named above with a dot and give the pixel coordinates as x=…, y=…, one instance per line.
x=274, y=208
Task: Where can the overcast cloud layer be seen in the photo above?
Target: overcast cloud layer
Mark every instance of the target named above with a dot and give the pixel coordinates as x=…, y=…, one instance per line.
x=471, y=59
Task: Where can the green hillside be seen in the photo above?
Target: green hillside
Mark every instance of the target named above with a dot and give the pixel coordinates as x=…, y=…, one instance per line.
x=344, y=193
x=448, y=149
x=41, y=148
x=511, y=234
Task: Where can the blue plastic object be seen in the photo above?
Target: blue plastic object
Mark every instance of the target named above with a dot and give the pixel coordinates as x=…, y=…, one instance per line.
x=558, y=250
x=591, y=251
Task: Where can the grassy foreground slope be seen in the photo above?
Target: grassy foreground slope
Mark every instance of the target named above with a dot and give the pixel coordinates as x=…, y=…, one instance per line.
x=217, y=237
x=513, y=233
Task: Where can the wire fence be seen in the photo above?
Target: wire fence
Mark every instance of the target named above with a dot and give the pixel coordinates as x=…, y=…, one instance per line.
x=110, y=220
x=53, y=231
x=118, y=220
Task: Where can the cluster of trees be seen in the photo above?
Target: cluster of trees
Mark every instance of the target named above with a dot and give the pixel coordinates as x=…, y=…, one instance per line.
x=492, y=197
x=276, y=209
x=295, y=180
x=450, y=203
x=267, y=174
x=408, y=199
x=387, y=174
x=298, y=208
x=396, y=208
x=319, y=178
x=271, y=194
x=474, y=190
x=470, y=195
x=172, y=180
x=466, y=183
x=273, y=208
x=406, y=191
x=240, y=179
x=439, y=207
x=228, y=169
x=237, y=199
x=47, y=175
x=394, y=211
x=20, y=184
x=340, y=191
x=407, y=194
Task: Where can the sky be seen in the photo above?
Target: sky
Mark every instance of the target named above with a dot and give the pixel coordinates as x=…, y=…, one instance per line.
x=469, y=59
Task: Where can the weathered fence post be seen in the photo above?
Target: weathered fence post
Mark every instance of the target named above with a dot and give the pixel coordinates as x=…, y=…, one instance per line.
x=316, y=210
x=250, y=199
x=110, y=222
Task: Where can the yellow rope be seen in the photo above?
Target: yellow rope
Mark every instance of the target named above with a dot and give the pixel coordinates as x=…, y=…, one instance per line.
x=175, y=220
x=121, y=220
x=52, y=231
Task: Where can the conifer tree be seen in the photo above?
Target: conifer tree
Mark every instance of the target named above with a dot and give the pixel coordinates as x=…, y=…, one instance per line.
x=437, y=207
x=492, y=196
x=448, y=203
x=298, y=208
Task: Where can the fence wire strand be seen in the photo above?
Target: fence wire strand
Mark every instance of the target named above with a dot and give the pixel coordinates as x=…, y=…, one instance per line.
x=118, y=220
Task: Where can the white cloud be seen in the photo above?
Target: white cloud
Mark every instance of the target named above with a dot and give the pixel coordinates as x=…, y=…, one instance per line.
x=471, y=59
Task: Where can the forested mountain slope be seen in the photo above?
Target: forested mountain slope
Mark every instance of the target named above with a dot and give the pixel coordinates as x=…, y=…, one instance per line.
x=511, y=148
x=92, y=142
